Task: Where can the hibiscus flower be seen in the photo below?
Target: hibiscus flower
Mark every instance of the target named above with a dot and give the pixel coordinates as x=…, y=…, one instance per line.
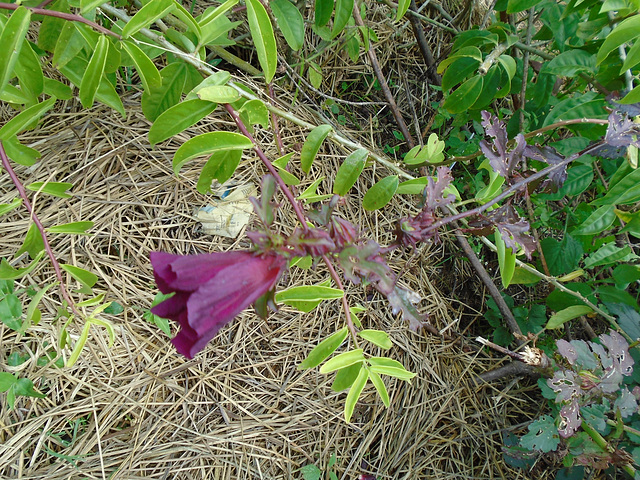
x=210, y=290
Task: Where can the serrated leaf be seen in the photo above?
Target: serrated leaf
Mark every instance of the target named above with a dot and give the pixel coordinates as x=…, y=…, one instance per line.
x=56, y=189
x=147, y=70
x=325, y=348
x=152, y=11
x=380, y=387
x=381, y=193
x=263, y=38
x=11, y=39
x=178, y=118
x=563, y=316
x=312, y=145
x=220, y=166
x=25, y=119
x=86, y=278
x=354, y=393
x=543, y=435
x=597, y=222
x=207, y=144
x=464, y=96
x=343, y=360
x=93, y=74
x=290, y=22
x=377, y=337
x=73, y=228
x=349, y=171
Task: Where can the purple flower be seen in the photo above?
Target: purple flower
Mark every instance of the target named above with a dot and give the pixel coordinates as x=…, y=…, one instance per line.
x=210, y=290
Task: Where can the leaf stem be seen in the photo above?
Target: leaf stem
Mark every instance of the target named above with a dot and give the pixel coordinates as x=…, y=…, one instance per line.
x=25, y=198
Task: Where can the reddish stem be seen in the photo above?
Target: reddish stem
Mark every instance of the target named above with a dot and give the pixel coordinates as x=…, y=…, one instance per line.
x=36, y=220
x=65, y=16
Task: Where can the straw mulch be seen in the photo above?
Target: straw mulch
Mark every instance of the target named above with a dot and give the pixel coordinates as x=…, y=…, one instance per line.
x=240, y=409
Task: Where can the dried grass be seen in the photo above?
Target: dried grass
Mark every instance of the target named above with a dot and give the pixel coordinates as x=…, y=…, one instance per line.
x=240, y=409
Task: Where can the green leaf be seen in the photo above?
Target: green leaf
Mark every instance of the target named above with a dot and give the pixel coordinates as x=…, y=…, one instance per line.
x=310, y=194
x=54, y=88
x=349, y=171
x=86, y=278
x=186, y=18
x=515, y=6
x=56, y=189
x=325, y=348
x=20, y=153
x=33, y=243
x=24, y=387
x=403, y=6
x=571, y=63
x=380, y=387
x=178, y=118
x=597, y=222
x=543, y=435
x=464, y=96
x=221, y=166
x=626, y=31
x=355, y=391
x=33, y=314
x=381, y=193
x=343, y=360
x=88, y=5
x=219, y=94
x=633, y=96
x=152, y=11
x=385, y=362
x=633, y=58
x=207, y=144
x=73, y=228
x=29, y=71
x=307, y=297
x=7, y=380
x=345, y=377
x=344, y=10
x=7, y=272
x=312, y=145
x=524, y=277
x=7, y=207
x=158, y=100
x=25, y=119
x=51, y=27
x=93, y=74
x=506, y=261
x=562, y=256
x=263, y=38
x=588, y=105
x=628, y=319
x=311, y=472
x=254, y=112
x=11, y=312
x=608, y=254
x=11, y=39
x=400, y=373
x=323, y=11
x=377, y=337
x=149, y=74
x=290, y=22
x=314, y=72
x=625, y=192
x=563, y=316
x=625, y=274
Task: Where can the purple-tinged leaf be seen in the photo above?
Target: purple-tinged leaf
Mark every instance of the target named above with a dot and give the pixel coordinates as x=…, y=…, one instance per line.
x=619, y=352
x=565, y=384
x=265, y=207
x=626, y=403
x=567, y=350
x=512, y=228
x=611, y=380
x=570, y=419
x=550, y=156
x=502, y=161
x=434, y=192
